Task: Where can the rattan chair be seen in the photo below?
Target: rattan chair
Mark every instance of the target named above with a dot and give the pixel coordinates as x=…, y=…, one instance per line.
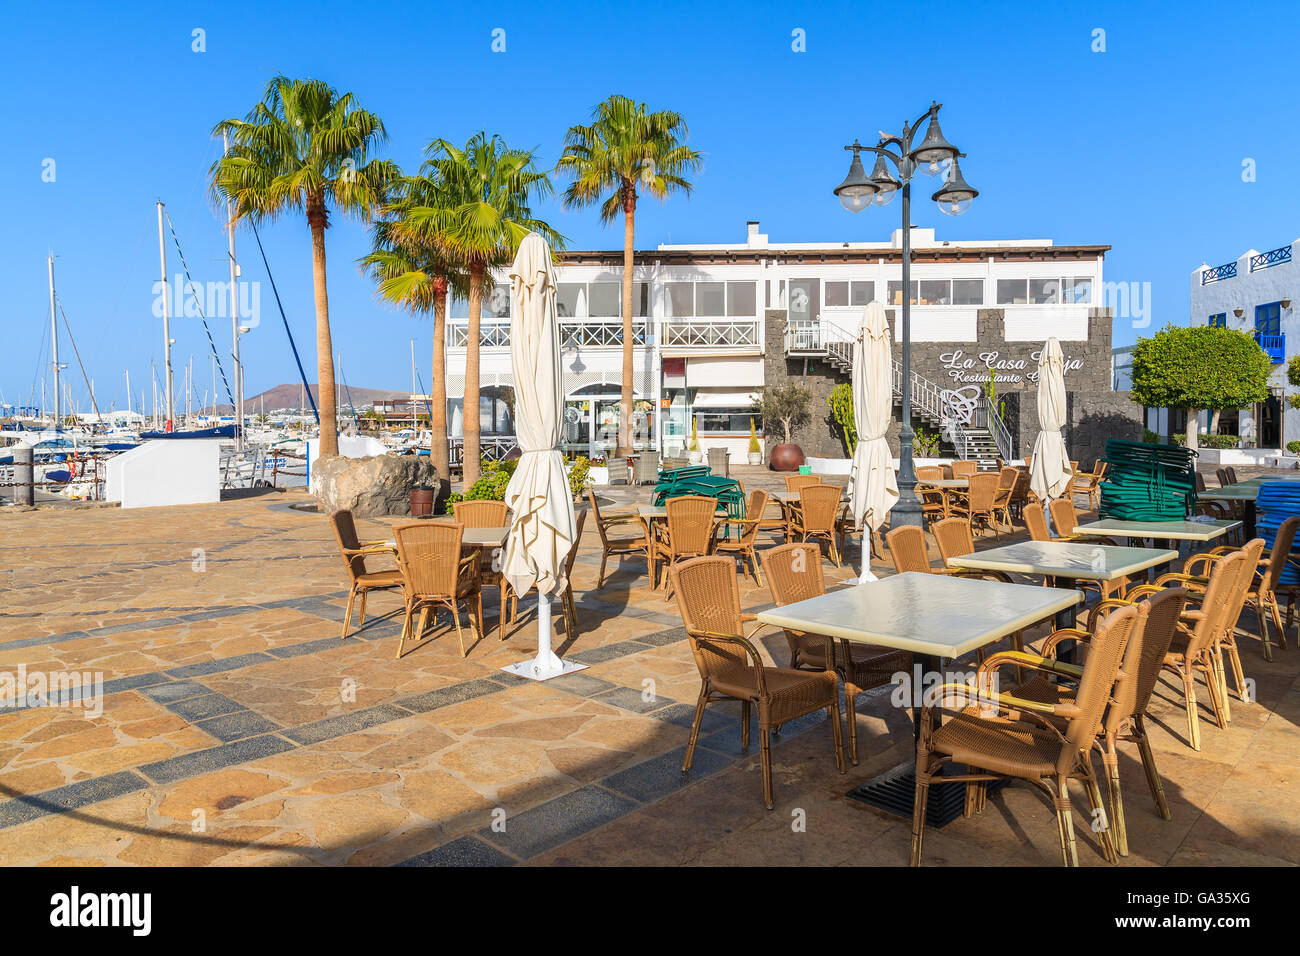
x=487, y=514
x=1089, y=483
x=906, y=545
x=436, y=574
x=794, y=483
x=1065, y=516
x=820, y=516
x=1007, y=478
x=732, y=669
x=745, y=535
x=1031, y=748
x=570, y=617
x=688, y=532
x=624, y=543
x=1158, y=617
x=964, y=469
x=1263, y=593
x=1195, y=647
x=1224, y=479
x=645, y=469
x=794, y=573
x=361, y=580
x=980, y=501
x=618, y=470
x=954, y=539
x=934, y=501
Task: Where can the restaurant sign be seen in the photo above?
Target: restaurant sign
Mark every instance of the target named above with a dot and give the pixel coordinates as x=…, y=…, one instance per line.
x=991, y=365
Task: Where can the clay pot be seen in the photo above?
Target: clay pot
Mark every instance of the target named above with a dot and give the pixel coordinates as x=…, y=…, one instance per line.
x=421, y=501
x=786, y=457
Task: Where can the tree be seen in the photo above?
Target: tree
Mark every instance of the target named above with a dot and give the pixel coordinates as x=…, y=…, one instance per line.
x=486, y=216
x=1199, y=367
x=786, y=405
x=418, y=274
x=305, y=148
x=626, y=146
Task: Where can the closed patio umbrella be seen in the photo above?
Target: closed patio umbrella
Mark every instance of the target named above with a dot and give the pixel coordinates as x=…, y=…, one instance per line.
x=542, y=527
x=1050, y=473
x=875, y=487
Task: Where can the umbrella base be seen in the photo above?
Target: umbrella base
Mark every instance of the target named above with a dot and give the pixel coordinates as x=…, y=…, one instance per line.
x=544, y=667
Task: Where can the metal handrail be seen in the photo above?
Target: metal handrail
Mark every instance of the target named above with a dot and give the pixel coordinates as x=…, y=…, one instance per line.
x=998, y=429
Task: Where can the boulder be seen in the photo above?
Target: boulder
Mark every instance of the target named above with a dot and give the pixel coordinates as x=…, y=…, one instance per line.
x=368, y=487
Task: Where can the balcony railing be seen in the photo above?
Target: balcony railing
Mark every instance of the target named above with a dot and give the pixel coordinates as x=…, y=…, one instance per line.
x=1274, y=257
x=572, y=334
x=491, y=335
x=1226, y=271
x=711, y=333
x=1274, y=346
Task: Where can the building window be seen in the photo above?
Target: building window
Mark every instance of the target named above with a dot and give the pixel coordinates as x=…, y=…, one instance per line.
x=1268, y=319
x=1218, y=321
x=1078, y=290
x=894, y=292
x=742, y=299
x=1013, y=291
x=847, y=293
x=724, y=419
x=599, y=300
x=967, y=291
x=710, y=299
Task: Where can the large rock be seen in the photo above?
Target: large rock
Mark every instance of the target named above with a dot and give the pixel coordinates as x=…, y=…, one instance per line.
x=380, y=485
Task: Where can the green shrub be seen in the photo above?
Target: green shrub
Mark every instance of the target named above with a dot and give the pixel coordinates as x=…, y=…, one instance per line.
x=491, y=485
x=925, y=444
x=841, y=403
x=1293, y=447
x=579, y=475
x=1210, y=441
x=1150, y=437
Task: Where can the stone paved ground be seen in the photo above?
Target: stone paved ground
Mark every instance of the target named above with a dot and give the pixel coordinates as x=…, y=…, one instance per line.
x=237, y=728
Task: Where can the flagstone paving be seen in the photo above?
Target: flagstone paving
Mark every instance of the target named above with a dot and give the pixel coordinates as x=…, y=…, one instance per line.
x=237, y=728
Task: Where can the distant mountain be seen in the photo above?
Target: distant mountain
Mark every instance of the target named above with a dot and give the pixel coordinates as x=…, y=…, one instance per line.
x=286, y=397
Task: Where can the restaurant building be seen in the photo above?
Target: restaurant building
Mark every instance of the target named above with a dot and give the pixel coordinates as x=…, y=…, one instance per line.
x=713, y=323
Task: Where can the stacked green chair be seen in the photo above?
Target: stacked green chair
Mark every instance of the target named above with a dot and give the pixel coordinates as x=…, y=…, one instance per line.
x=1147, y=482
x=698, y=480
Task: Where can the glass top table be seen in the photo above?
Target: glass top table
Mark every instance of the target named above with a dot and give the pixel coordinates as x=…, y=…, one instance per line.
x=1066, y=560
x=1201, y=531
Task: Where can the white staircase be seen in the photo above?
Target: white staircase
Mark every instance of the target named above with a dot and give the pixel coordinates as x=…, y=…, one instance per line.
x=984, y=443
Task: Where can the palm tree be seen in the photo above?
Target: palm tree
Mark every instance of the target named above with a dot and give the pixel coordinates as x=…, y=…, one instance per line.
x=418, y=276
x=306, y=148
x=489, y=187
x=625, y=146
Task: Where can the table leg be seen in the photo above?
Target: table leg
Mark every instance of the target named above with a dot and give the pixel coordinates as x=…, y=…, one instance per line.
x=1248, y=520
x=1066, y=651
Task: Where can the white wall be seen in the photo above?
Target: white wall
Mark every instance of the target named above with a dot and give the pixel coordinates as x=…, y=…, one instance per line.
x=166, y=471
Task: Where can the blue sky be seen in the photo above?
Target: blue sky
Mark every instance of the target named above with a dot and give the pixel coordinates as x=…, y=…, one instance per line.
x=1139, y=147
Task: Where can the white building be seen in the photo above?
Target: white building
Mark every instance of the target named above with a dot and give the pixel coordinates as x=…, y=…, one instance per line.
x=1254, y=294
x=700, y=324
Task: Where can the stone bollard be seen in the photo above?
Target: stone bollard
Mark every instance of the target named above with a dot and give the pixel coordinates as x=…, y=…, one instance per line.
x=24, y=493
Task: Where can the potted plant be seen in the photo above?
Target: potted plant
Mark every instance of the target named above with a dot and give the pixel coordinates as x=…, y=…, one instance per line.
x=788, y=407
x=755, y=450
x=693, y=446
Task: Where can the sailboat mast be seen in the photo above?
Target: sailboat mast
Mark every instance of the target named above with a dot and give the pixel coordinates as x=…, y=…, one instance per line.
x=415, y=425
x=54, y=344
x=168, y=399
x=234, y=314
x=128, y=391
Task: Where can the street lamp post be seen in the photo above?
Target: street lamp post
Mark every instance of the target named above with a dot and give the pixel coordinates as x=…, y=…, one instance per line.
x=934, y=155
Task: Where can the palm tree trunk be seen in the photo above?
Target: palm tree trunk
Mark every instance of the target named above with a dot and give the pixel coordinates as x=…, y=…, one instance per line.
x=469, y=413
x=329, y=426
x=625, y=404
x=438, y=388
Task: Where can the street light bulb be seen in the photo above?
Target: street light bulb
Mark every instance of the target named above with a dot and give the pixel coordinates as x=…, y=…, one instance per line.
x=953, y=207
x=855, y=198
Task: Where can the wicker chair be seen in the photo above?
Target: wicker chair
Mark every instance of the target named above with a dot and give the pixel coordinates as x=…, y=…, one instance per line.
x=954, y=539
x=747, y=529
x=1007, y=478
x=980, y=501
x=731, y=668
x=934, y=501
x=1032, y=748
x=1158, y=617
x=570, y=618
x=1232, y=474
x=1263, y=594
x=645, y=469
x=820, y=515
x=619, y=472
x=907, y=550
x=799, y=482
x=487, y=514
x=1195, y=647
x=1225, y=478
x=794, y=573
x=687, y=533
x=1089, y=483
x=964, y=469
x=361, y=580
x=1065, y=516
x=437, y=575
x=622, y=544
